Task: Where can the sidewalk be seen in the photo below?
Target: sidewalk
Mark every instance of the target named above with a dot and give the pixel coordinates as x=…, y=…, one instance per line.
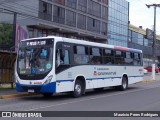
x=11, y=93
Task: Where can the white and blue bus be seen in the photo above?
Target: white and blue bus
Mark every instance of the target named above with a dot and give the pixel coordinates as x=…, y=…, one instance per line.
x=52, y=64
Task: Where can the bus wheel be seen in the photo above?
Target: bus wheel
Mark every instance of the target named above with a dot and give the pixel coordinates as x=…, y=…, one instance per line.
x=124, y=85
x=78, y=89
x=47, y=95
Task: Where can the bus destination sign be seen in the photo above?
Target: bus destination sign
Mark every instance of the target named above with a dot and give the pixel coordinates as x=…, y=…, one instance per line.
x=36, y=43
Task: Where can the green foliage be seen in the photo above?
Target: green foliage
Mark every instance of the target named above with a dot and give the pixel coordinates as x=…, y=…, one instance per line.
x=5, y=34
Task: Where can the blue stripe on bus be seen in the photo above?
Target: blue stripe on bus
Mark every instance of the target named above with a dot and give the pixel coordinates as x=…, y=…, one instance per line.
x=95, y=78
x=64, y=80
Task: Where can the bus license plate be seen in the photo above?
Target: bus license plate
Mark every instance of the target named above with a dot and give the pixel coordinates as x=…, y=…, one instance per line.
x=31, y=91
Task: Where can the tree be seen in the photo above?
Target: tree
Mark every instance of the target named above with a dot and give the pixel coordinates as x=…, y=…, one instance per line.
x=5, y=35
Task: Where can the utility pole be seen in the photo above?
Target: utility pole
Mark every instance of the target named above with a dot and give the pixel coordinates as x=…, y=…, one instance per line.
x=14, y=30
x=154, y=40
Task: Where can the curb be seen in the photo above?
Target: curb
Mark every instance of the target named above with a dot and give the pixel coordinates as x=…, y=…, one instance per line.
x=145, y=81
x=16, y=95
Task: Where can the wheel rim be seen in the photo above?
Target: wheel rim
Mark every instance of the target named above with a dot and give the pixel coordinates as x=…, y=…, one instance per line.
x=124, y=84
x=78, y=89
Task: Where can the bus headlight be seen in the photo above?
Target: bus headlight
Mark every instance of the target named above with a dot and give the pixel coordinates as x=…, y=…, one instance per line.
x=48, y=80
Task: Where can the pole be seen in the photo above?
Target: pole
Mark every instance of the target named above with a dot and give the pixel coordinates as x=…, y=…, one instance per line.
x=154, y=40
x=153, y=47
x=14, y=30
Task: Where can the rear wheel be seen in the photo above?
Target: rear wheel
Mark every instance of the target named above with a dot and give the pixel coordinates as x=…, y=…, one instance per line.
x=78, y=89
x=124, y=84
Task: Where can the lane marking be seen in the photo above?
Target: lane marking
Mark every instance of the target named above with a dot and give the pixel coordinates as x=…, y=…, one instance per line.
x=93, y=98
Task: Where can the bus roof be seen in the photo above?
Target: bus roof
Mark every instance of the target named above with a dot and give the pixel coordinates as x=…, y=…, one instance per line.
x=83, y=42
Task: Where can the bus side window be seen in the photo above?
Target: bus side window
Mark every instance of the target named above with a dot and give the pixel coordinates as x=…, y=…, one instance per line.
x=96, y=56
x=137, y=59
x=66, y=57
x=62, y=59
x=128, y=58
x=119, y=59
x=108, y=56
x=81, y=54
x=59, y=58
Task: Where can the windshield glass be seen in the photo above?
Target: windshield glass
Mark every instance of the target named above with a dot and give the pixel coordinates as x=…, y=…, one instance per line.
x=34, y=60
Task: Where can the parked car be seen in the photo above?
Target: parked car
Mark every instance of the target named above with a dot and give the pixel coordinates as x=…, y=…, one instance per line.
x=149, y=69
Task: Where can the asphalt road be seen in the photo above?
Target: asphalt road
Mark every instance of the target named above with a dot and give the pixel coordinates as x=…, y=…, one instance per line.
x=139, y=97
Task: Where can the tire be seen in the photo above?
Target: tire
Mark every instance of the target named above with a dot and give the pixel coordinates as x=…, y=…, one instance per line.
x=78, y=89
x=124, y=84
x=47, y=95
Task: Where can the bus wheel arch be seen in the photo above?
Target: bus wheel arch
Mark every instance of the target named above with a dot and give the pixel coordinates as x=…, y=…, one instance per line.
x=79, y=87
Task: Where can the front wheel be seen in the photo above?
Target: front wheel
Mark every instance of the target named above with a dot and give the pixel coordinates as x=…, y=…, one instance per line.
x=78, y=89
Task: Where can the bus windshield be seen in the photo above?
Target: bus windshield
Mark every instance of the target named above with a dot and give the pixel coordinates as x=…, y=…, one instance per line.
x=34, y=59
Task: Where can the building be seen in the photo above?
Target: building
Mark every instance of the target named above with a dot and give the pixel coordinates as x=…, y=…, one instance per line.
x=137, y=38
x=104, y=21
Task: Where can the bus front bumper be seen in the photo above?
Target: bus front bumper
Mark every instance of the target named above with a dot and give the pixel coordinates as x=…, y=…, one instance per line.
x=48, y=88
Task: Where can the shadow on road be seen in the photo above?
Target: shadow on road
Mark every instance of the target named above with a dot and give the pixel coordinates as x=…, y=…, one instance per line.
x=65, y=96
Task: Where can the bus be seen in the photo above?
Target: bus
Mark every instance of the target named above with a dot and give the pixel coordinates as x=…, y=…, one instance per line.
x=48, y=65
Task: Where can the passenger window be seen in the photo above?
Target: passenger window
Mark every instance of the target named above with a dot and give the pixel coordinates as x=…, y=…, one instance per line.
x=137, y=59
x=128, y=58
x=62, y=59
x=81, y=55
x=108, y=56
x=96, y=56
x=119, y=58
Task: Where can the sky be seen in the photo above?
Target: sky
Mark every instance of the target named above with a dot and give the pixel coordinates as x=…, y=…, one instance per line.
x=141, y=15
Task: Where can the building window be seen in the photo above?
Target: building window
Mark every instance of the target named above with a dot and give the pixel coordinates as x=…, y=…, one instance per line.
x=93, y=25
x=134, y=37
x=140, y=39
x=70, y=18
x=81, y=21
x=129, y=35
x=82, y=5
x=45, y=10
x=31, y=32
x=94, y=8
x=71, y=3
x=62, y=2
x=104, y=29
x=59, y=14
x=104, y=12
x=104, y=1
